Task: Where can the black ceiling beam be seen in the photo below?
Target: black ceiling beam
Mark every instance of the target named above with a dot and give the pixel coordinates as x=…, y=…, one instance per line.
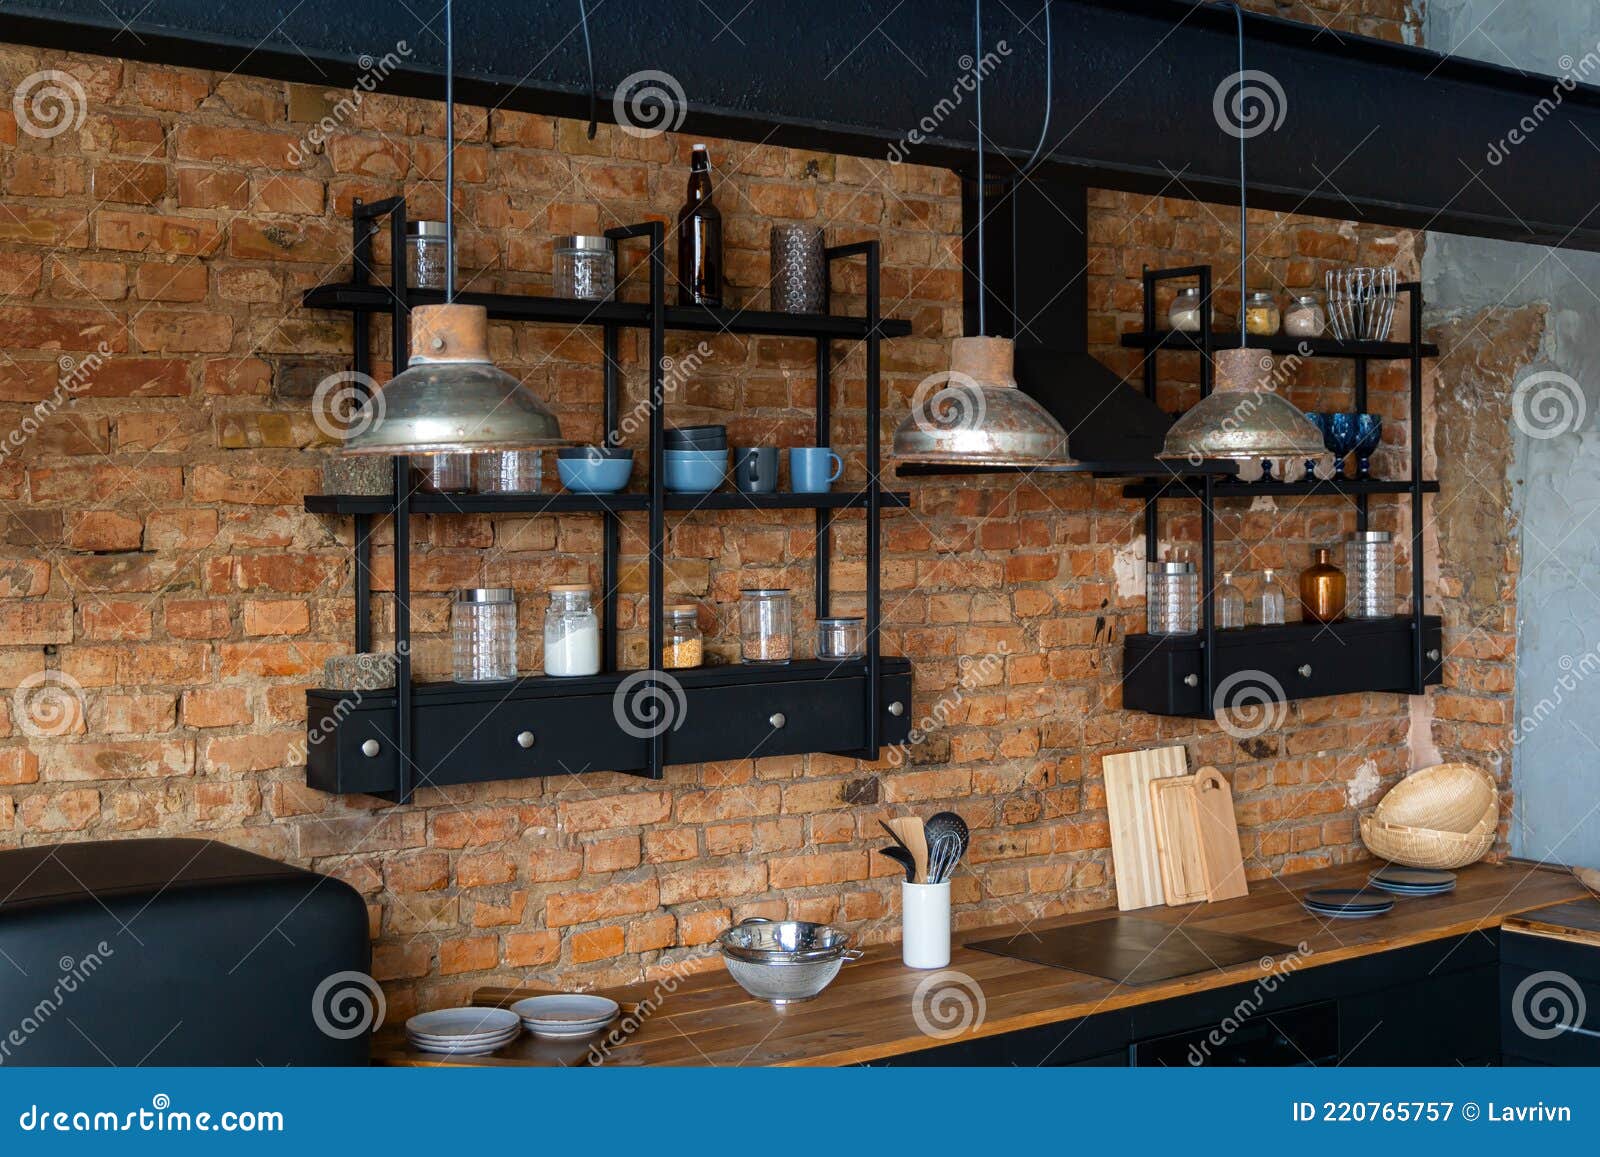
x=1373, y=131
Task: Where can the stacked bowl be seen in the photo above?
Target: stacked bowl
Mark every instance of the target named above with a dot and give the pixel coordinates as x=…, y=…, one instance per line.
x=696, y=459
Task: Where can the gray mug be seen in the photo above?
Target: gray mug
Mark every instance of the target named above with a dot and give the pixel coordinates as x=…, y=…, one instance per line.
x=755, y=469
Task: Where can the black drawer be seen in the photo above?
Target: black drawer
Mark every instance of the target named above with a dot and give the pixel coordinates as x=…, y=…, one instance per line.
x=1308, y=1035
x=1162, y=673
x=1549, y=1000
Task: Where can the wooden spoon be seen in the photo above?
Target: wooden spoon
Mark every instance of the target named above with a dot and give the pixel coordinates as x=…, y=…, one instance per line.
x=909, y=831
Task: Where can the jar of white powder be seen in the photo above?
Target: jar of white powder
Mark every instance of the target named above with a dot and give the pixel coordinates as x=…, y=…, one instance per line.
x=571, y=632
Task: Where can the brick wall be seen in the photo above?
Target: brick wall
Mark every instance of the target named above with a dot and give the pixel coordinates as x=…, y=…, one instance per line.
x=155, y=553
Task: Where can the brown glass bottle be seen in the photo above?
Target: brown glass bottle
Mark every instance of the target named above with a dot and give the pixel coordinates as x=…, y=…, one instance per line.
x=1322, y=589
x=699, y=238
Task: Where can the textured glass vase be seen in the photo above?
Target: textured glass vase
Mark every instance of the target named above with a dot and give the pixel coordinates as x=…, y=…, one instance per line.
x=799, y=269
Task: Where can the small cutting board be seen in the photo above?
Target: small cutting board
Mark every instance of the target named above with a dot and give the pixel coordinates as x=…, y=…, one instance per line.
x=1134, y=856
x=1183, y=876
x=1218, y=832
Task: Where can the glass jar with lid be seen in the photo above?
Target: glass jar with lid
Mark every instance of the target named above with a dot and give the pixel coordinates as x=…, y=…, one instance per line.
x=682, y=643
x=585, y=267
x=1369, y=575
x=444, y=473
x=427, y=254
x=507, y=472
x=766, y=626
x=571, y=632
x=1183, y=314
x=483, y=633
x=1260, y=313
x=1171, y=594
x=1305, y=316
x=841, y=638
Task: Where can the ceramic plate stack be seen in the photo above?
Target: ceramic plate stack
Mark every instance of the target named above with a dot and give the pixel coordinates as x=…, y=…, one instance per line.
x=567, y=1015
x=1345, y=903
x=1412, y=881
x=463, y=1032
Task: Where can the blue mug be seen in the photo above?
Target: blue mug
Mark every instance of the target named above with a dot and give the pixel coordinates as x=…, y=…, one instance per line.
x=813, y=469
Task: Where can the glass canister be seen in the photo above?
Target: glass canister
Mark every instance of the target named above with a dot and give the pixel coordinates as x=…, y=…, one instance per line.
x=427, y=254
x=483, y=632
x=1305, y=317
x=507, y=472
x=766, y=626
x=1369, y=575
x=1172, y=593
x=1261, y=313
x=841, y=638
x=444, y=473
x=571, y=632
x=1183, y=314
x=682, y=644
x=586, y=267
x=799, y=269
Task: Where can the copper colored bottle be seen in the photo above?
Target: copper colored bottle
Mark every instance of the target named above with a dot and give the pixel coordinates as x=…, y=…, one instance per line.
x=699, y=238
x=1322, y=589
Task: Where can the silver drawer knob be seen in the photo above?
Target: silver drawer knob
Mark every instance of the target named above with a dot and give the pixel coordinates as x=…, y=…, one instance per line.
x=524, y=739
x=897, y=708
x=778, y=719
x=1191, y=680
x=1305, y=671
x=370, y=748
x=1433, y=654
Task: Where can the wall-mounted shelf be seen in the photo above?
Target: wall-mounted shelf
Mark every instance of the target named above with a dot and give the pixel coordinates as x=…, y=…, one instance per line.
x=1198, y=675
x=390, y=742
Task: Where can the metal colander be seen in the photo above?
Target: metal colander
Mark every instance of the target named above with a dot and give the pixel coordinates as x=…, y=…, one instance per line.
x=784, y=961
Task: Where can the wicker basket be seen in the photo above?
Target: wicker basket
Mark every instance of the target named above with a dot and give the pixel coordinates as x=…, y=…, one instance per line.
x=1440, y=817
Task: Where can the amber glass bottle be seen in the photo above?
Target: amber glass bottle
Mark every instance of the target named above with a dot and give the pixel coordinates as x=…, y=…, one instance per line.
x=699, y=238
x=1322, y=588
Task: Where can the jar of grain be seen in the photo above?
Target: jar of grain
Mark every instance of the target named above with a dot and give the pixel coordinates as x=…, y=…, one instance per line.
x=1184, y=313
x=766, y=626
x=1261, y=313
x=682, y=644
x=1305, y=317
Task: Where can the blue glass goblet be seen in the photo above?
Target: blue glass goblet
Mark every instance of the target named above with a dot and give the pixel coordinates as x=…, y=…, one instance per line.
x=1340, y=437
x=1320, y=420
x=1369, y=432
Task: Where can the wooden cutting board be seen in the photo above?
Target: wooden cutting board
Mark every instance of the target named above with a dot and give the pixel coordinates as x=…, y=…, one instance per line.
x=1218, y=833
x=1134, y=856
x=1172, y=805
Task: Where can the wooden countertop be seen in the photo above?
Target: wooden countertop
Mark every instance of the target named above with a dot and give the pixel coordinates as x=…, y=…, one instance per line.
x=867, y=1012
x=1577, y=922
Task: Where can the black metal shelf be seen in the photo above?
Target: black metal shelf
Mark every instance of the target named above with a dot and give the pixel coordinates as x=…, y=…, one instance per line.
x=354, y=297
x=1140, y=469
x=1321, y=347
x=1310, y=488
x=389, y=743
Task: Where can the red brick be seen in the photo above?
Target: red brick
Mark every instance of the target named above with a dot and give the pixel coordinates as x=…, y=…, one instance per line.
x=104, y=530
x=154, y=233
x=216, y=707
x=527, y=949
x=277, y=617
x=596, y=944
x=617, y=900
x=133, y=759
x=35, y=623
x=474, y=954
x=61, y=811
x=197, y=618
x=617, y=811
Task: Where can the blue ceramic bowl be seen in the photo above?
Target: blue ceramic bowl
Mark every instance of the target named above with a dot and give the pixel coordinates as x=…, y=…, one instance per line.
x=694, y=471
x=588, y=475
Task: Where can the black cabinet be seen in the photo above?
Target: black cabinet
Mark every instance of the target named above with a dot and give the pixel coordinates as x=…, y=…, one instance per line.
x=1549, y=1001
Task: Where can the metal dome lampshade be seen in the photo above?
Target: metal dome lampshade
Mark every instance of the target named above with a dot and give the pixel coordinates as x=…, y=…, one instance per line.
x=975, y=415
x=1245, y=420
x=452, y=398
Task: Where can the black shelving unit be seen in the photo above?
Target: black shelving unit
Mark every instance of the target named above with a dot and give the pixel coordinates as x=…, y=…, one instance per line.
x=1183, y=674
x=390, y=742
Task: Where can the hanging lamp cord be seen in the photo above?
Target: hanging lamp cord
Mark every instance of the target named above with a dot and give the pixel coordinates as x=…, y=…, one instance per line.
x=1238, y=16
x=449, y=154
x=983, y=283
x=588, y=55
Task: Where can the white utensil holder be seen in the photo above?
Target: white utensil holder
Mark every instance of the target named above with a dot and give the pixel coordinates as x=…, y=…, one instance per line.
x=925, y=936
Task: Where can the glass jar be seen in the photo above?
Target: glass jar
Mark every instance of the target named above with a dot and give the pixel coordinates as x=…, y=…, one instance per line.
x=427, y=254
x=841, y=638
x=571, y=633
x=483, y=635
x=1270, y=602
x=444, y=473
x=585, y=267
x=507, y=472
x=1305, y=317
x=1230, y=604
x=1183, y=314
x=682, y=644
x=1322, y=589
x=1261, y=313
x=1171, y=590
x=766, y=626
x=1369, y=575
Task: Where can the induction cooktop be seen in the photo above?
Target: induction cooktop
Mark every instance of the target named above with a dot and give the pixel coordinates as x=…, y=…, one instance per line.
x=1132, y=951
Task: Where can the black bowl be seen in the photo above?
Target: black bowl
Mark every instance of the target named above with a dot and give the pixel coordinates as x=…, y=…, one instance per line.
x=696, y=437
x=594, y=452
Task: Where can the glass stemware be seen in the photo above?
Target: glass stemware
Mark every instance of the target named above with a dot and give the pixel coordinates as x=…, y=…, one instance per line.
x=1340, y=438
x=1369, y=433
x=1320, y=421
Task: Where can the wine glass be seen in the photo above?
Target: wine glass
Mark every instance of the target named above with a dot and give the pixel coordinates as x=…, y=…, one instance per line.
x=1369, y=432
x=1340, y=438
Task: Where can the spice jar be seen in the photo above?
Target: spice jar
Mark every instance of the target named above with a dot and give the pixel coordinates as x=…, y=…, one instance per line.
x=571, y=633
x=507, y=472
x=444, y=473
x=427, y=254
x=766, y=626
x=1183, y=314
x=483, y=635
x=585, y=267
x=1305, y=317
x=1369, y=574
x=841, y=638
x=1171, y=592
x=682, y=644
x=1322, y=589
x=1260, y=313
